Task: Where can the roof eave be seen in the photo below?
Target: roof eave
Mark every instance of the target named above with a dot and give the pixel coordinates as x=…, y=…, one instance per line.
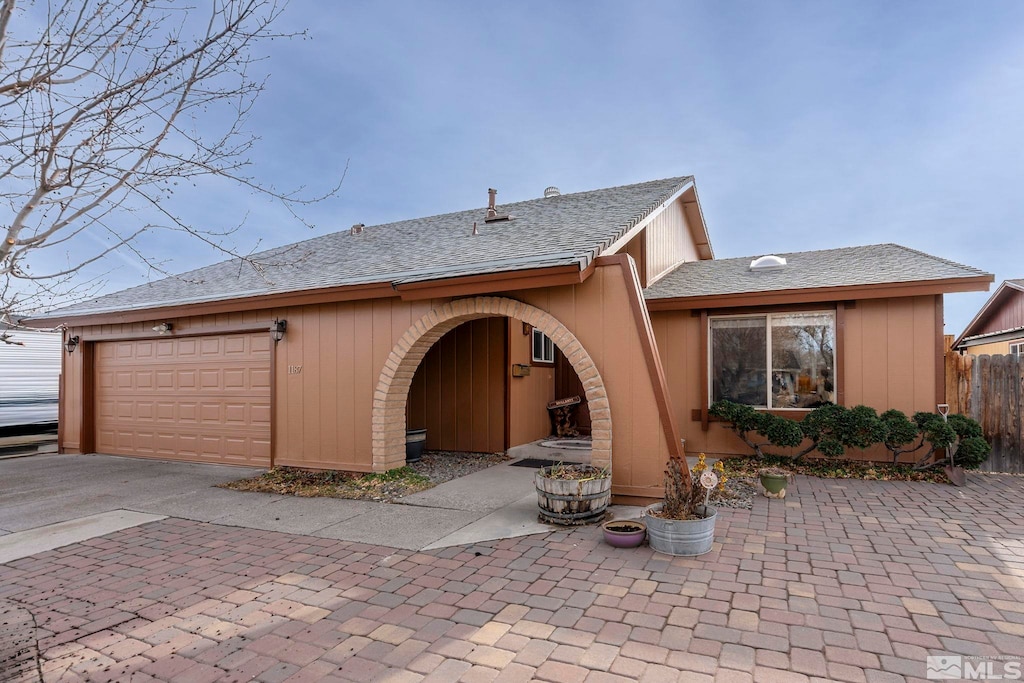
x=501, y=281
x=822, y=294
x=983, y=312
x=624, y=238
x=990, y=337
x=244, y=303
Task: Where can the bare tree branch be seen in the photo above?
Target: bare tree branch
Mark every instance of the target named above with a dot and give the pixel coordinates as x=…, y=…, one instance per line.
x=104, y=109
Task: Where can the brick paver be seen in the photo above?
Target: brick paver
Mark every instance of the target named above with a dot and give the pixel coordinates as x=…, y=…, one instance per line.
x=841, y=580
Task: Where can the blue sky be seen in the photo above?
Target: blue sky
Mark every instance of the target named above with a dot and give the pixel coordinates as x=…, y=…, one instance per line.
x=808, y=125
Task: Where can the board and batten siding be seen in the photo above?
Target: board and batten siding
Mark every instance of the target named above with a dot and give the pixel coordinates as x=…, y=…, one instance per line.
x=458, y=392
x=669, y=241
x=888, y=349
x=530, y=395
x=666, y=242
x=326, y=370
x=1009, y=316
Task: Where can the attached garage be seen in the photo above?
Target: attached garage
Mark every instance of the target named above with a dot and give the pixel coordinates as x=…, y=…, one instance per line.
x=202, y=399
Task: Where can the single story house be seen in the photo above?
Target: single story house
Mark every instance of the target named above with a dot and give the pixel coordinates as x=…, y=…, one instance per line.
x=468, y=323
x=998, y=328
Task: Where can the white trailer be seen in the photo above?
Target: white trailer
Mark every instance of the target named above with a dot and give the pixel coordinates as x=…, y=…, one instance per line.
x=29, y=377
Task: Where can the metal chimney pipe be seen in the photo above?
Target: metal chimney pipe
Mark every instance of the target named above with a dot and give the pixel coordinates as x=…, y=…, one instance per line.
x=492, y=209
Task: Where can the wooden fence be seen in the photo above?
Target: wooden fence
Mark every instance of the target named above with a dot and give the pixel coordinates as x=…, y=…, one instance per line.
x=990, y=389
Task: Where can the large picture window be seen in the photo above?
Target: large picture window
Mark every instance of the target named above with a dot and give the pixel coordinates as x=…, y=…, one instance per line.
x=775, y=360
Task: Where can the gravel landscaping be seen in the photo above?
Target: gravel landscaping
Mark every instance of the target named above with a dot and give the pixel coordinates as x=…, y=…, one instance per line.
x=435, y=467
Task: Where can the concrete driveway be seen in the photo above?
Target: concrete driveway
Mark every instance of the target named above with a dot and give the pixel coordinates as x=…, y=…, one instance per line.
x=498, y=502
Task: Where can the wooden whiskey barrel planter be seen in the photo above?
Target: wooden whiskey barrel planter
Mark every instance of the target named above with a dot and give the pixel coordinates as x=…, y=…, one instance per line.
x=572, y=502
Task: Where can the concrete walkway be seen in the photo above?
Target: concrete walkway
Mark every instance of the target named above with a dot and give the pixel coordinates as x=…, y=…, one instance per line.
x=841, y=581
x=498, y=502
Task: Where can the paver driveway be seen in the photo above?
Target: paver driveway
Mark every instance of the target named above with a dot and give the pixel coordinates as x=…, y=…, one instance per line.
x=842, y=580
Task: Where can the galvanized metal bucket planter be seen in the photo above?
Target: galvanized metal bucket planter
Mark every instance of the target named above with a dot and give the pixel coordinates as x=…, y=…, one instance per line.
x=681, y=537
x=574, y=501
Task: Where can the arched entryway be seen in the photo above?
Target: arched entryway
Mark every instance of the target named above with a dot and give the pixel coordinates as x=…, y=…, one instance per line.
x=391, y=395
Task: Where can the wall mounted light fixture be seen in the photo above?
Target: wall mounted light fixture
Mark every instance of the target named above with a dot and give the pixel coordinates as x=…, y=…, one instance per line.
x=277, y=330
x=163, y=328
x=71, y=344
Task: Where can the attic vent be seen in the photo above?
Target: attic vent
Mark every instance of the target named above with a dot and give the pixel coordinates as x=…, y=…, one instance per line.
x=551, y=192
x=357, y=228
x=770, y=262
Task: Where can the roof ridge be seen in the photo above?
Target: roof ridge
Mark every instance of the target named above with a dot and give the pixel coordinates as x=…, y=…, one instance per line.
x=938, y=258
x=574, y=227
x=808, y=251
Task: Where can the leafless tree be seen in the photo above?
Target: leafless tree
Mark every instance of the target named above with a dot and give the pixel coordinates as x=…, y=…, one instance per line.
x=106, y=106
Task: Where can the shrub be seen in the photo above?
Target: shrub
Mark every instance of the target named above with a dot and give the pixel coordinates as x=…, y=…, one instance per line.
x=900, y=431
x=960, y=435
x=831, y=429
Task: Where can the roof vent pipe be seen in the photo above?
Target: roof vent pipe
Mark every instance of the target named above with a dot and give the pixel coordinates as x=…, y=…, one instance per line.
x=357, y=228
x=552, y=192
x=492, y=209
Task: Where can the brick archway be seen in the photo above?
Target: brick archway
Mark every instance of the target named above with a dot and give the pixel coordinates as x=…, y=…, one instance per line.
x=392, y=393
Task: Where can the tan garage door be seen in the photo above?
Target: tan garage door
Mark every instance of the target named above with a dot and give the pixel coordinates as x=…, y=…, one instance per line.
x=204, y=399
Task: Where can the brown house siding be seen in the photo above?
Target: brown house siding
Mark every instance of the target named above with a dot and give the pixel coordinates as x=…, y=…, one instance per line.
x=528, y=396
x=669, y=241
x=886, y=347
x=329, y=366
x=1009, y=315
x=458, y=393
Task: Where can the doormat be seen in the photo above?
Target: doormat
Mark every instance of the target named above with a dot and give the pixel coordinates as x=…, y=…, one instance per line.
x=536, y=463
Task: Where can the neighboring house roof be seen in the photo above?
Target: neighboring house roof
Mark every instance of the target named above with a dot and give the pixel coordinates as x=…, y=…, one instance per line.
x=1003, y=292
x=847, y=267
x=564, y=230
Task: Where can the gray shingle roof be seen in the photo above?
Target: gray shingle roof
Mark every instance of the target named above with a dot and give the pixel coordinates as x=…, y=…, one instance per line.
x=849, y=266
x=570, y=229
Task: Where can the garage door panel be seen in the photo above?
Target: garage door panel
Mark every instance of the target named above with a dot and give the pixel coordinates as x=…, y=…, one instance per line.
x=202, y=399
x=210, y=379
x=259, y=414
x=211, y=413
x=145, y=411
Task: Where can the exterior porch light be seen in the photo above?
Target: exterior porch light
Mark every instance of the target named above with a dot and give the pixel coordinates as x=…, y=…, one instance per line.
x=163, y=328
x=71, y=344
x=277, y=330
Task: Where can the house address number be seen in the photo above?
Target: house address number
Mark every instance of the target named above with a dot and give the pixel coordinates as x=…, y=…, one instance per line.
x=294, y=369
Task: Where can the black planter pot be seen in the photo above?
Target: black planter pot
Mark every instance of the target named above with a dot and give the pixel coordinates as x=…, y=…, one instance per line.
x=415, y=440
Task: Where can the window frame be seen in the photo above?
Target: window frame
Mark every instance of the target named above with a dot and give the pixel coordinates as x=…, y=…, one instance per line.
x=546, y=344
x=832, y=313
x=1019, y=351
